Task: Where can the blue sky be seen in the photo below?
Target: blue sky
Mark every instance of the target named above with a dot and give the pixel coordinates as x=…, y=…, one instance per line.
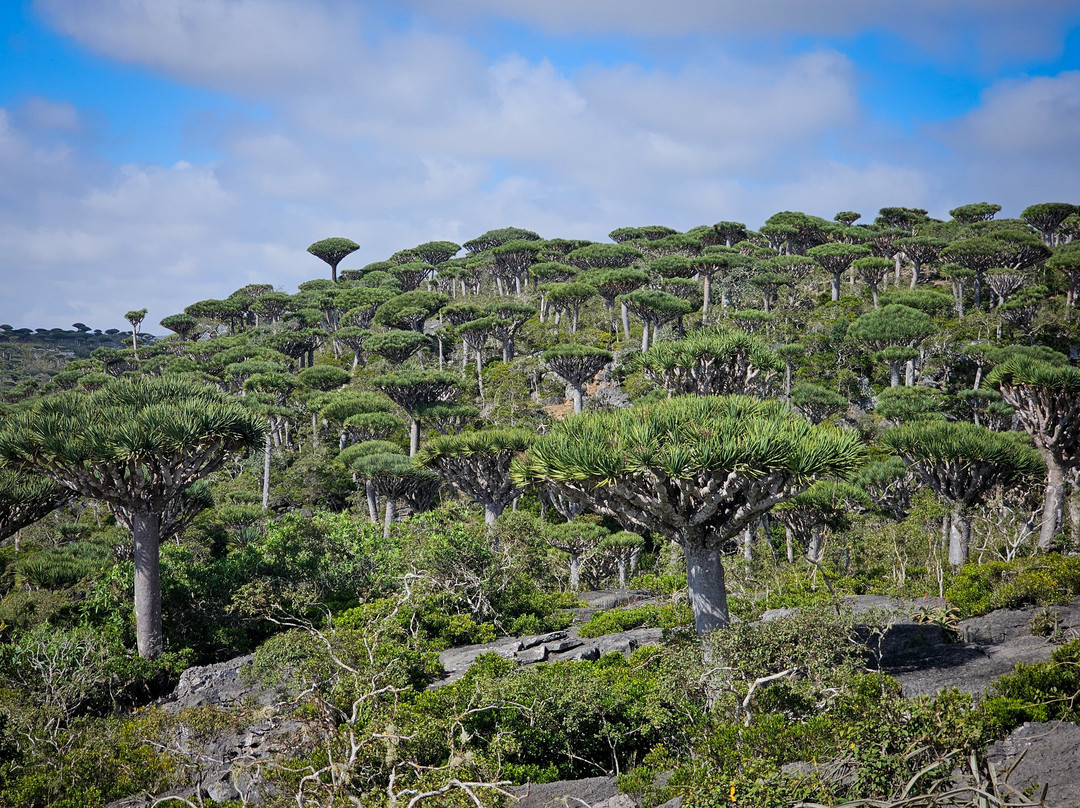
x=158, y=152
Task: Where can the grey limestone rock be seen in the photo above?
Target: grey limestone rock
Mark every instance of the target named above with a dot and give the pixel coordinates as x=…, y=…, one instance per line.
x=587, y=793
x=1051, y=757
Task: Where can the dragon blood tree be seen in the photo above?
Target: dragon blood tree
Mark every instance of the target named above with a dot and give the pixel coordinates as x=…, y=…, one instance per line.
x=695, y=469
x=137, y=444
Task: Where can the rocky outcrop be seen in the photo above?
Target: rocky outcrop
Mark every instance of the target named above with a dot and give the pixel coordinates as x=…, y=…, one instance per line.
x=1003, y=625
x=222, y=685
x=989, y=646
x=591, y=792
x=228, y=763
x=1050, y=757
x=553, y=647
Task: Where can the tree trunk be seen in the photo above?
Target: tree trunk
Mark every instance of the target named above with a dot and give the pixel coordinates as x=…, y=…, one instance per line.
x=621, y=561
x=266, y=471
x=789, y=541
x=705, y=579
x=1053, y=500
x=372, y=502
x=813, y=549
x=1074, y=513
x=575, y=570
x=894, y=374
x=625, y=322
x=492, y=510
x=414, y=437
x=578, y=397
x=707, y=291
x=836, y=279
x=959, y=534
x=146, y=530
x=480, y=373
x=391, y=514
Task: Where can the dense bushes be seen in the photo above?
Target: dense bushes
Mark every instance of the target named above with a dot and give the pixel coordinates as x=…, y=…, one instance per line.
x=1041, y=581
x=662, y=616
x=1044, y=691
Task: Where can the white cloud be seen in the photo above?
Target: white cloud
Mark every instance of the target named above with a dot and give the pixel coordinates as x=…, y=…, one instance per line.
x=1018, y=145
x=1038, y=115
x=247, y=46
x=397, y=137
x=992, y=30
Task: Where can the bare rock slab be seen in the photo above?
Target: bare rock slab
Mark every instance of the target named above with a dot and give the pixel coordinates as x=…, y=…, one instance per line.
x=1051, y=758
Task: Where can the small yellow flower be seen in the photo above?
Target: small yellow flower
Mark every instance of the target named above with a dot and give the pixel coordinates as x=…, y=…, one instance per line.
x=733, y=792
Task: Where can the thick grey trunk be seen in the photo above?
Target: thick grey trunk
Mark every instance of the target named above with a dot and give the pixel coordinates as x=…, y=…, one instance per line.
x=622, y=570
x=372, y=502
x=959, y=535
x=789, y=541
x=625, y=322
x=836, y=278
x=492, y=511
x=391, y=515
x=748, y=543
x=480, y=372
x=1074, y=514
x=909, y=373
x=705, y=579
x=1053, y=501
x=266, y=471
x=894, y=374
x=576, y=394
x=146, y=530
x=414, y=437
x=644, y=336
x=813, y=549
x=707, y=290
x=575, y=571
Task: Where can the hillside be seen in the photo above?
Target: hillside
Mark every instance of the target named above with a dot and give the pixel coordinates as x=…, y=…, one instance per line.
x=361, y=487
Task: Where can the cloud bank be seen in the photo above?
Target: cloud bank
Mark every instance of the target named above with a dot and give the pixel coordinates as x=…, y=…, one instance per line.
x=393, y=131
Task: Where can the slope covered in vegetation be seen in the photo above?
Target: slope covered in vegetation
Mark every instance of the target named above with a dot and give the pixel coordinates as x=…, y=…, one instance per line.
x=441, y=448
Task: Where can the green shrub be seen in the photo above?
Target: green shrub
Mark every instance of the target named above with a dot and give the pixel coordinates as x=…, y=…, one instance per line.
x=807, y=651
x=660, y=585
x=91, y=763
x=568, y=719
x=1043, y=691
x=60, y=567
x=615, y=620
x=1042, y=581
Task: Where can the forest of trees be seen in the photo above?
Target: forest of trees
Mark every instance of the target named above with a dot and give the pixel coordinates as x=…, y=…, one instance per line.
x=443, y=447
